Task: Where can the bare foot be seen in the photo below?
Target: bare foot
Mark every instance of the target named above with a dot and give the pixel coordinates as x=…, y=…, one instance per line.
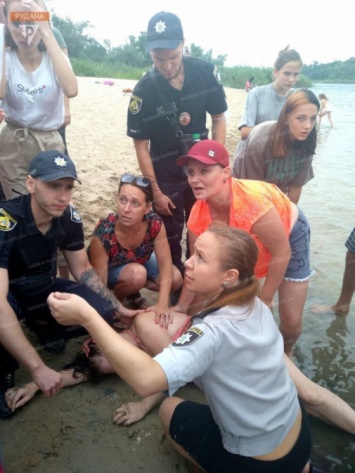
x=130, y=413
x=329, y=309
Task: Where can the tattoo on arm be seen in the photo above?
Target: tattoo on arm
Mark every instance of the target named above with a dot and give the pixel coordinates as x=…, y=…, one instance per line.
x=91, y=279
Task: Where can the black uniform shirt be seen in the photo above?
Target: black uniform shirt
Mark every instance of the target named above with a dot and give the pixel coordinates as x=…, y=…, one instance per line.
x=29, y=256
x=202, y=93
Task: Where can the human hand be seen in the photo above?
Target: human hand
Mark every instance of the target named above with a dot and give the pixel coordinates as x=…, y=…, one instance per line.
x=163, y=316
x=86, y=346
x=47, y=380
x=2, y=115
x=129, y=413
x=162, y=204
x=69, y=309
x=37, y=6
x=67, y=118
x=17, y=397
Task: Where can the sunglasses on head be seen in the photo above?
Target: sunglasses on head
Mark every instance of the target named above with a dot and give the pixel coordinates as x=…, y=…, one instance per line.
x=141, y=181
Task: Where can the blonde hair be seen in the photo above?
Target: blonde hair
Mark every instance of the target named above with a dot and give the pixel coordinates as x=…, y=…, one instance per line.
x=238, y=251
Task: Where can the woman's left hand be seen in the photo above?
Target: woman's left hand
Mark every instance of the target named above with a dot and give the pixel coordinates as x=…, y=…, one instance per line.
x=163, y=315
x=69, y=309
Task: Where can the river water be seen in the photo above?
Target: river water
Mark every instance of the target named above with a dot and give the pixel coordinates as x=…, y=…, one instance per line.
x=325, y=351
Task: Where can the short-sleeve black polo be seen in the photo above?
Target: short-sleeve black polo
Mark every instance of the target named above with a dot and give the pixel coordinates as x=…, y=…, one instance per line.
x=202, y=93
x=29, y=256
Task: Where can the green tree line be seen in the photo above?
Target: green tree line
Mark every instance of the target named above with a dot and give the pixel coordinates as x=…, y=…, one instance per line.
x=93, y=59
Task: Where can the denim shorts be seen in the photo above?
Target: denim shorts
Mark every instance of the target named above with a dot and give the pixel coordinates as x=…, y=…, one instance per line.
x=350, y=242
x=151, y=266
x=299, y=267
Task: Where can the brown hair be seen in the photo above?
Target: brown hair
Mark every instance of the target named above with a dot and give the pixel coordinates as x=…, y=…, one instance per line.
x=279, y=141
x=147, y=191
x=322, y=97
x=287, y=55
x=238, y=251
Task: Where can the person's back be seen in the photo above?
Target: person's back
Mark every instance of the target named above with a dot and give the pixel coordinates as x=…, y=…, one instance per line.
x=236, y=338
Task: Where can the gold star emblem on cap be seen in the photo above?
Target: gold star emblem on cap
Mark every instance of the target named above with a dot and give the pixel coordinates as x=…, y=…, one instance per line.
x=60, y=161
x=160, y=27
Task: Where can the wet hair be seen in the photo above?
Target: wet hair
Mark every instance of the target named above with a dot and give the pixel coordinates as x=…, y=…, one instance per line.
x=9, y=41
x=287, y=55
x=237, y=251
x=86, y=366
x=322, y=97
x=147, y=191
x=279, y=141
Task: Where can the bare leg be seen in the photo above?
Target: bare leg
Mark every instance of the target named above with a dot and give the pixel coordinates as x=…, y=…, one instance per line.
x=175, y=284
x=319, y=121
x=133, y=277
x=329, y=114
x=342, y=306
x=165, y=414
x=292, y=297
x=321, y=403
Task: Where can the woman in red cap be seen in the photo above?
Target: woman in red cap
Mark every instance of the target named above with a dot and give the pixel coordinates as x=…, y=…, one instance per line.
x=277, y=225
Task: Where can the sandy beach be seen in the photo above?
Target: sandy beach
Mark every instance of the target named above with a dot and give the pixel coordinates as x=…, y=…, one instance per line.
x=73, y=432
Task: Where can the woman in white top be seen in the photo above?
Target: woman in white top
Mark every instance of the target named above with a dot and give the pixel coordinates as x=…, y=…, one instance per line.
x=35, y=78
x=253, y=421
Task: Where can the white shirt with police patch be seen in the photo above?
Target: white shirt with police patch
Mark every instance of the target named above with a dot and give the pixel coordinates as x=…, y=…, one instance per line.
x=235, y=355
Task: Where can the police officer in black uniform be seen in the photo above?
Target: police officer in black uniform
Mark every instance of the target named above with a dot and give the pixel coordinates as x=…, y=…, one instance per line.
x=32, y=228
x=167, y=113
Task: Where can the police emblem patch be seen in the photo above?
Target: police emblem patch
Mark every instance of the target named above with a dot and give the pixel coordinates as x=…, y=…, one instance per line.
x=184, y=118
x=160, y=27
x=216, y=74
x=188, y=337
x=7, y=222
x=60, y=161
x=135, y=104
x=74, y=215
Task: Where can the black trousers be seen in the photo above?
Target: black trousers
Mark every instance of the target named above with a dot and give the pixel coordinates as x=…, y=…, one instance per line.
x=32, y=309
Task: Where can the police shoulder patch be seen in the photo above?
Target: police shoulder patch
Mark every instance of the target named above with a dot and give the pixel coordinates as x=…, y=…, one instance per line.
x=7, y=222
x=135, y=104
x=188, y=337
x=216, y=74
x=74, y=215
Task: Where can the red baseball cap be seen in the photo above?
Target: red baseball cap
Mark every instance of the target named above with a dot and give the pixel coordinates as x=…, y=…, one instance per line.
x=207, y=152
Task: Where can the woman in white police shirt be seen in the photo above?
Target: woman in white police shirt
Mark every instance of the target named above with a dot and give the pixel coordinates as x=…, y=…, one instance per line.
x=253, y=421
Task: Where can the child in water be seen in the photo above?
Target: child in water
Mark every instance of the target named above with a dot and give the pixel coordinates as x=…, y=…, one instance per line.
x=325, y=109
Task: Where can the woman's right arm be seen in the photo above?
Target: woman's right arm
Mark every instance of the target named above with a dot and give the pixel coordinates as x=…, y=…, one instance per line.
x=133, y=365
x=99, y=259
x=60, y=62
